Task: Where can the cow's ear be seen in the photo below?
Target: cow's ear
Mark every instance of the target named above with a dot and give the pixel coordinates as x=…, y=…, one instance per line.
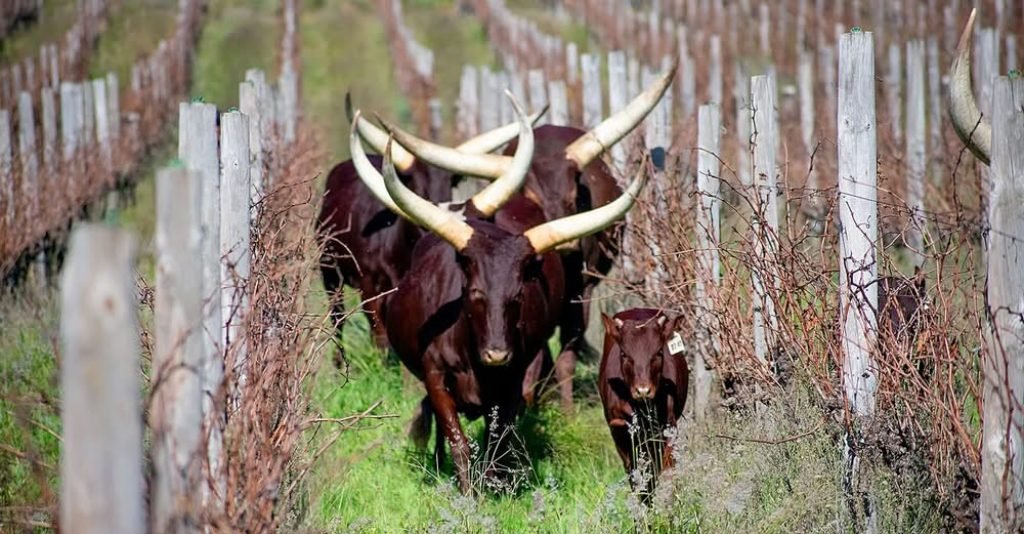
x=671, y=324
x=919, y=280
x=611, y=326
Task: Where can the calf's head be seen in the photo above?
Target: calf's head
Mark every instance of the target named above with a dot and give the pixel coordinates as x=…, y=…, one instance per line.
x=643, y=343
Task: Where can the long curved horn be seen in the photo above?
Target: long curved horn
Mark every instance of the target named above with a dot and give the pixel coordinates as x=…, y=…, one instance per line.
x=549, y=235
x=974, y=129
x=488, y=142
x=446, y=224
x=377, y=138
x=496, y=194
x=611, y=130
x=481, y=165
x=484, y=143
x=369, y=174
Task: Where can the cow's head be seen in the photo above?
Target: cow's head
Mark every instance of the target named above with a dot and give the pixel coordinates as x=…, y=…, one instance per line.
x=558, y=161
x=498, y=265
x=643, y=343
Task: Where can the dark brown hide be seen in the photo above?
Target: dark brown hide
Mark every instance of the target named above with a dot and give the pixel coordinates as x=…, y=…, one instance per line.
x=641, y=385
x=452, y=309
x=900, y=307
x=366, y=245
x=562, y=189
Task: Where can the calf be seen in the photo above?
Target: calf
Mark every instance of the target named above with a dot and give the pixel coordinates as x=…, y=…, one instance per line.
x=642, y=383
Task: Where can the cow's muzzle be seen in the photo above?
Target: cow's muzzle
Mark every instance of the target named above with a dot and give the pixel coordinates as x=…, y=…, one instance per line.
x=643, y=393
x=496, y=357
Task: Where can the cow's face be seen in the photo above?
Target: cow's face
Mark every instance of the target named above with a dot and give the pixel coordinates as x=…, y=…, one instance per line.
x=497, y=269
x=643, y=345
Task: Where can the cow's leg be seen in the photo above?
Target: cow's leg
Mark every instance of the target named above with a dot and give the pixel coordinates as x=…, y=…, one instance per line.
x=565, y=369
x=448, y=422
x=667, y=460
x=537, y=370
x=333, y=287
x=375, y=311
x=419, y=428
x=623, y=443
x=498, y=440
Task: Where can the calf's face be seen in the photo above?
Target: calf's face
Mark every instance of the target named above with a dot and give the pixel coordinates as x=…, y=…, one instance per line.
x=643, y=346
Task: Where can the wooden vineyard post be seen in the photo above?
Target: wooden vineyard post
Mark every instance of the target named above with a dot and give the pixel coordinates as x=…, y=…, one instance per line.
x=618, y=97
x=559, y=112
x=101, y=405
x=249, y=104
x=1002, y=444
x=7, y=166
x=538, y=94
x=234, y=235
x=766, y=215
x=708, y=234
x=197, y=148
x=916, y=155
x=858, y=216
x=592, y=109
x=177, y=413
x=29, y=160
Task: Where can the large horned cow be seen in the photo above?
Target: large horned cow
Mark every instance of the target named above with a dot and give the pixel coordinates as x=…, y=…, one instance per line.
x=566, y=176
x=367, y=246
x=480, y=298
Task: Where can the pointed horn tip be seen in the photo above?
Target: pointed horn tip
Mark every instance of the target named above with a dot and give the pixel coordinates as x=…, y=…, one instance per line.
x=354, y=129
x=963, y=46
x=348, y=106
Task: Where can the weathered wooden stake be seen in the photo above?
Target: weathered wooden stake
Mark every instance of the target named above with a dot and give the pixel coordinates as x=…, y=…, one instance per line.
x=917, y=157
x=30, y=187
x=197, y=148
x=101, y=404
x=559, y=111
x=618, y=97
x=235, y=224
x=7, y=165
x=592, y=108
x=708, y=239
x=765, y=221
x=178, y=357
x=249, y=104
x=1002, y=443
x=858, y=216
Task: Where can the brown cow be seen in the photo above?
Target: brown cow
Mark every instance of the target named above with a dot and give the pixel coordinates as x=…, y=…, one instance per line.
x=367, y=246
x=642, y=382
x=566, y=176
x=479, y=301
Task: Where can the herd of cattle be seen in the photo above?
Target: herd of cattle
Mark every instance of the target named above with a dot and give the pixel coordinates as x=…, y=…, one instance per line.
x=468, y=293
x=473, y=290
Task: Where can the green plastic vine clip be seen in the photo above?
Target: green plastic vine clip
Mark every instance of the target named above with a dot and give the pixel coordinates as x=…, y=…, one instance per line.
x=232, y=109
x=856, y=29
x=175, y=164
x=198, y=100
x=1014, y=74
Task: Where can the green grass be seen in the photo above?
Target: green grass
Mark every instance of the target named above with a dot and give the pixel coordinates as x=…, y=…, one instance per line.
x=29, y=401
x=57, y=18
x=372, y=474
x=133, y=30
x=344, y=48
x=238, y=35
